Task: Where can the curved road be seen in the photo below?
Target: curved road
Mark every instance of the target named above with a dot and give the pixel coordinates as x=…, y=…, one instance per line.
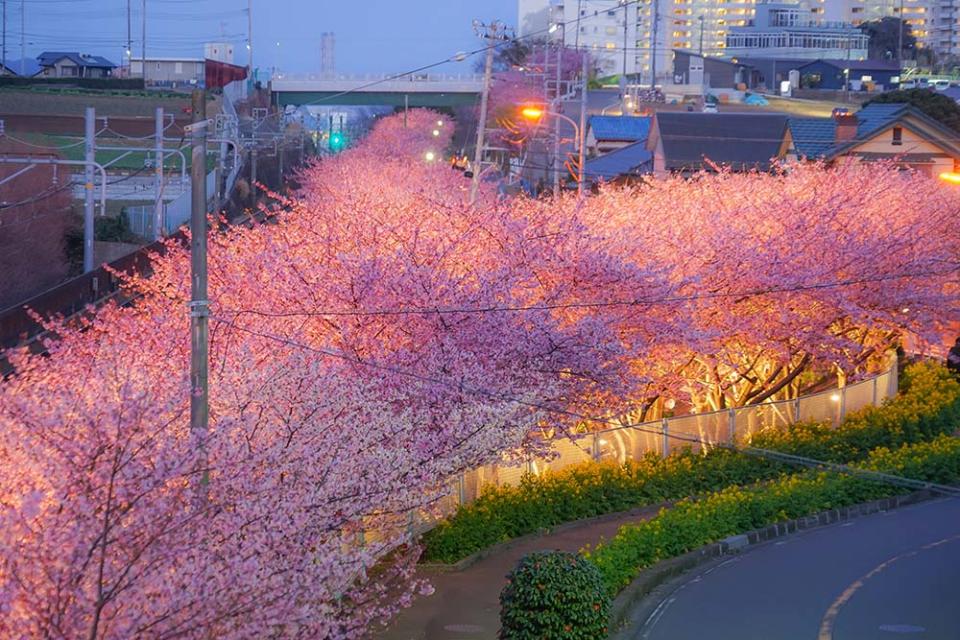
x=887, y=575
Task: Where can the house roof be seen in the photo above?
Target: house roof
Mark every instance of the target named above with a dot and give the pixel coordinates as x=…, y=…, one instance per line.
x=50, y=58
x=30, y=67
x=738, y=140
x=859, y=65
x=816, y=137
x=628, y=160
x=620, y=128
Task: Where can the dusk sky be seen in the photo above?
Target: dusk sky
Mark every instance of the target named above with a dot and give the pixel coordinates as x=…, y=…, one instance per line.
x=371, y=35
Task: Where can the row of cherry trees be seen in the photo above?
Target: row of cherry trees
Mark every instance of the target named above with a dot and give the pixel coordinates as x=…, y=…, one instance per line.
x=380, y=336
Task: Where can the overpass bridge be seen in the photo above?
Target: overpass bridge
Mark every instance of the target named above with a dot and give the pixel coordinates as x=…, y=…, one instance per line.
x=413, y=90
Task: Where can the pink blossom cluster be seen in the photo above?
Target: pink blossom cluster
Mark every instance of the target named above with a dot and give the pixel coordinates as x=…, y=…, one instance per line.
x=379, y=335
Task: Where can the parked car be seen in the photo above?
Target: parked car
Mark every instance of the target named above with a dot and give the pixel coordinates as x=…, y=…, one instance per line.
x=710, y=107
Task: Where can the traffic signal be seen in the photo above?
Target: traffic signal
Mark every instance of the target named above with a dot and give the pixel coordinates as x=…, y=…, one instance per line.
x=337, y=141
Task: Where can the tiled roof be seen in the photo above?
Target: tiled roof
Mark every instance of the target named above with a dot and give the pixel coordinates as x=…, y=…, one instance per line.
x=816, y=137
x=813, y=136
x=49, y=58
x=620, y=128
x=627, y=160
x=692, y=141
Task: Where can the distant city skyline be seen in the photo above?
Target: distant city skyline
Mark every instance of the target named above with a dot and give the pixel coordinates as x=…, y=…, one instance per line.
x=376, y=36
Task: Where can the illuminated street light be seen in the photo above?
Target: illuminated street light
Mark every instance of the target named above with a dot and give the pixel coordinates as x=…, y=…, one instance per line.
x=532, y=113
x=430, y=156
x=950, y=176
x=436, y=132
x=553, y=28
x=439, y=123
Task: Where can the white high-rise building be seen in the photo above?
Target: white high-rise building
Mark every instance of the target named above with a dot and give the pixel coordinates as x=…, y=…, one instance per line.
x=656, y=27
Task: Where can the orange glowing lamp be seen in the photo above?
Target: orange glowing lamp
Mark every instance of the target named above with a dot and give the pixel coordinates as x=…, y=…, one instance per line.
x=532, y=113
x=950, y=176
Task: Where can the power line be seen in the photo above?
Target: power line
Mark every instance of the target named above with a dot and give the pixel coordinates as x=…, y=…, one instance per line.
x=599, y=304
x=458, y=57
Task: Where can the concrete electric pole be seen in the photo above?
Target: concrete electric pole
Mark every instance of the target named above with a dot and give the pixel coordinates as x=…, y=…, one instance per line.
x=199, y=305
x=493, y=33
x=90, y=157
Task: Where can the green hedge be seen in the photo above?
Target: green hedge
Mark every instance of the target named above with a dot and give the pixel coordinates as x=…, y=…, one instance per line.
x=928, y=405
x=693, y=523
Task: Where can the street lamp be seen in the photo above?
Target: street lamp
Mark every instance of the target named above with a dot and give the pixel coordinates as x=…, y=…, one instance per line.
x=950, y=176
x=430, y=156
x=535, y=113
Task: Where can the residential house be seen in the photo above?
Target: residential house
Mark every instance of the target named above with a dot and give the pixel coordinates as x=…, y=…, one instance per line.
x=897, y=132
x=685, y=143
x=65, y=64
x=606, y=133
x=693, y=68
x=862, y=74
x=169, y=72
x=626, y=164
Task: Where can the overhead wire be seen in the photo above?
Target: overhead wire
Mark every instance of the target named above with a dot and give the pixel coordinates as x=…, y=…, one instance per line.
x=598, y=303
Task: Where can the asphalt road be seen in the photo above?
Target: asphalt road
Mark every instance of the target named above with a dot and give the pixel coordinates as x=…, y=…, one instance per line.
x=888, y=575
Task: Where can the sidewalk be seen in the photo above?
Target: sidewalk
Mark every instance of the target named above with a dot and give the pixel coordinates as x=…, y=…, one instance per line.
x=466, y=605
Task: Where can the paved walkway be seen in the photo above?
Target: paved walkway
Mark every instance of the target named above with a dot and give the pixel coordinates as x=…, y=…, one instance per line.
x=466, y=605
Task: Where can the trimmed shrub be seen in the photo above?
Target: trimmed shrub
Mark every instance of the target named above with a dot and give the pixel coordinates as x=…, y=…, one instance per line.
x=694, y=523
x=553, y=595
x=928, y=405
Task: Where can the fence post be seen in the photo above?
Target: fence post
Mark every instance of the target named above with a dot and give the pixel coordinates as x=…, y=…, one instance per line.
x=596, y=447
x=796, y=409
x=875, y=390
x=411, y=520
x=665, y=428
x=461, y=489
x=732, y=424
x=843, y=403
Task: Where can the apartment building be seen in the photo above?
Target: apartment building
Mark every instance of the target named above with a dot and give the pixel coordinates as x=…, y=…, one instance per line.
x=653, y=29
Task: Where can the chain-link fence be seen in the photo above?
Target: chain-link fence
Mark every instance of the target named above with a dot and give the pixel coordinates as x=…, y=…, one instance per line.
x=697, y=431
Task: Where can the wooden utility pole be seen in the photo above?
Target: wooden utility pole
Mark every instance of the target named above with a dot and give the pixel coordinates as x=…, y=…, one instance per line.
x=492, y=32
x=199, y=305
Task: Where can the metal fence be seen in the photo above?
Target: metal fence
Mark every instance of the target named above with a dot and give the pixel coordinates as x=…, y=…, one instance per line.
x=697, y=431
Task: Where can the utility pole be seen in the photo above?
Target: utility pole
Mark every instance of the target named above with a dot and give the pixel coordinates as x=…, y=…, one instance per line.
x=143, y=56
x=406, y=107
x=492, y=33
x=582, y=159
x=158, y=175
x=701, y=36
x=4, y=62
x=90, y=157
x=23, y=37
x=199, y=305
x=556, y=121
x=623, y=76
x=900, y=39
x=653, y=46
x=129, y=51
x=253, y=172
x=250, y=39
